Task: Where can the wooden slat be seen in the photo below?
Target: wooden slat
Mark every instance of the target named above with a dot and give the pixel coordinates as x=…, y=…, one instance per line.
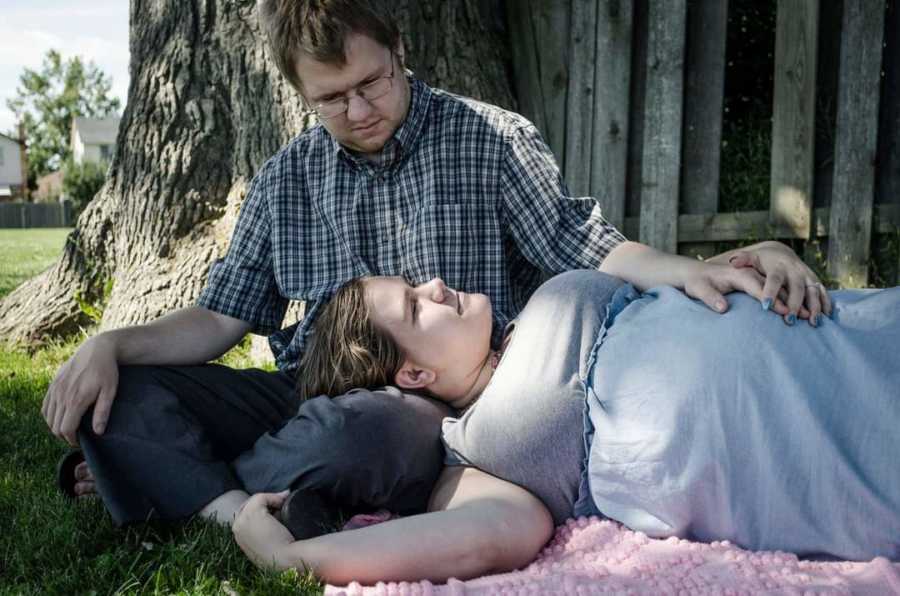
x=524, y=49
x=661, y=162
x=539, y=30
x=612, y=84
x=704, y=94
x=636, y=110
x=580, y=96
x=755, y=225
x=551, y=30
x=794, y=116
x=855, y=143
x=888, y=168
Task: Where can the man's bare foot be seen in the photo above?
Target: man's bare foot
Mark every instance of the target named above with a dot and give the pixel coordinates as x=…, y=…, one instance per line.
x=84, y=481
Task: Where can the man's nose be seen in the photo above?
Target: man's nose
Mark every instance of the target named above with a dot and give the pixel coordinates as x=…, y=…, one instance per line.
x=358, y=108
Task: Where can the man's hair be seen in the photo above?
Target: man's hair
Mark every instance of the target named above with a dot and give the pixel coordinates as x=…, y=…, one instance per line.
x=319, y=29
x=346, y=350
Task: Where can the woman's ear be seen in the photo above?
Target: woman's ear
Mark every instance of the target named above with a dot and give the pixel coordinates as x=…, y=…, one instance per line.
x=412, y=377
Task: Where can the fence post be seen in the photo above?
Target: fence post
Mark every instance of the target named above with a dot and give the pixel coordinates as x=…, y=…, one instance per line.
x=580, y=96
x=540, y=40
x=704, y=95
x=793, y=122
x=612, y=90
x=853, y=191
x=661, y=163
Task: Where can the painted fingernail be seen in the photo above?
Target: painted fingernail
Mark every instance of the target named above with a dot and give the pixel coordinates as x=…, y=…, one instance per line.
x=767, y=303
x=791, y=319
x=817, y=320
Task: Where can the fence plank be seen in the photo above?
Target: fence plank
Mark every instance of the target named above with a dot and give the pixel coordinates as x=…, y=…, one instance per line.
x=540, y=46
x=636, y=111
x=612, y=86
x=793, y=119
x=661, y=162
x=704, y=94
x=855, y=143
x=580, y=96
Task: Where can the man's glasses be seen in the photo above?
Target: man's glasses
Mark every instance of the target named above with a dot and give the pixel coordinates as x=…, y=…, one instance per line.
x=369, y=91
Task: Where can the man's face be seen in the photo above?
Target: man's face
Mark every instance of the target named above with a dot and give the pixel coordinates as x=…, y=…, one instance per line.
x=366, y=125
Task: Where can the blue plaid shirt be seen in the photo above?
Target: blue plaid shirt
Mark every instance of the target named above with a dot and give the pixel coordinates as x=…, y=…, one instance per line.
x=464, y=191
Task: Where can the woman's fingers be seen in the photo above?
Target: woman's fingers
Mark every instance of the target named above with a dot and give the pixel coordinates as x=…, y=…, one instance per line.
x=814, y=302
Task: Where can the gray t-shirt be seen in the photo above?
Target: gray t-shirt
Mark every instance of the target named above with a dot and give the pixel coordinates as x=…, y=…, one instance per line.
x=527, y=426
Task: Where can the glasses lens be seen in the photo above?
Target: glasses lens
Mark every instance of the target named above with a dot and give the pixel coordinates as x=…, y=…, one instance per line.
x=331, y=109
x=375, y=89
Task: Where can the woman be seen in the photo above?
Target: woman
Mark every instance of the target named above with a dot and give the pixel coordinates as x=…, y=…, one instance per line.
x=689, y=428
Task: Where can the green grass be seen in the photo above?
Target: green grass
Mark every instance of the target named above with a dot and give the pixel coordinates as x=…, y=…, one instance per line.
x=51, y=546
x=25, y=253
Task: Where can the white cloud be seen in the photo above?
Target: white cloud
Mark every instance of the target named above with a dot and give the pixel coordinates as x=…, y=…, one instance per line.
x=97, y=31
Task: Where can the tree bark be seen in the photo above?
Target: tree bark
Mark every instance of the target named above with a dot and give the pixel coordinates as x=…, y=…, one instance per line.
x=206, y=107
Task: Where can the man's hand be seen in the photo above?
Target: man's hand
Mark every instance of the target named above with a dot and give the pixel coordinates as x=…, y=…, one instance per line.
x=709, y=282
x=791, y=287
x=90, y=376
x=258, y=533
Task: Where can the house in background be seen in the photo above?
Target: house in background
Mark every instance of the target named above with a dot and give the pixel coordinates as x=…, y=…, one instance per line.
x=13, y=168
x=94, y=139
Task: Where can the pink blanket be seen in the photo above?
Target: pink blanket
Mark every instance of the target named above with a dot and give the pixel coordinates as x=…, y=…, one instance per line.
x=590, y=556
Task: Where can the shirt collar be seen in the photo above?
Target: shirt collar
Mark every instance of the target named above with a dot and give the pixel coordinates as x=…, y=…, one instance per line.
x=406, y=135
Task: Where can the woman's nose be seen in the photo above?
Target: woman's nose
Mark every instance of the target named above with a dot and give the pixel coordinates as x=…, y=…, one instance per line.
x=438, y=290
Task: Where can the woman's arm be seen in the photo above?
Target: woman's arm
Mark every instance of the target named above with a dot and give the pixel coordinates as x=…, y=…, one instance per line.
x=477, y=524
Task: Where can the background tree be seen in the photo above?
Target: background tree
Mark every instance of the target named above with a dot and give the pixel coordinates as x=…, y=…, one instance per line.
x=81, y=181
x=48, y=99
x=206, y=107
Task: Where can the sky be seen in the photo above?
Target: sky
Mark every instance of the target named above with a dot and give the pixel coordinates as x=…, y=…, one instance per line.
x=93, y=29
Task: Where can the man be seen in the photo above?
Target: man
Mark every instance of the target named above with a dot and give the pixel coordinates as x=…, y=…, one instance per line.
x=398, y=179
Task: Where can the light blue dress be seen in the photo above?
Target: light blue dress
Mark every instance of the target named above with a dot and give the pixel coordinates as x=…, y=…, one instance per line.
x=739, y=427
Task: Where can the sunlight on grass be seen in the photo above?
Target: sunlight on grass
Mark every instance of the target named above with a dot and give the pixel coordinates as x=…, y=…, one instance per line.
x=25, y=253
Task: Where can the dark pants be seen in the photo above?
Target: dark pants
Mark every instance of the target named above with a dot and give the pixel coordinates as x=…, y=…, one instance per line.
x=180, y=436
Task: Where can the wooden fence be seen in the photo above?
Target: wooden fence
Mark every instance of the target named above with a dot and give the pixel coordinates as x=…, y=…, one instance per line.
x=629, y=95
x=36, y=215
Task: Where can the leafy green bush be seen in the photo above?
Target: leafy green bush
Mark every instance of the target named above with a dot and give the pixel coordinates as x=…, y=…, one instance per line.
x=82, y=181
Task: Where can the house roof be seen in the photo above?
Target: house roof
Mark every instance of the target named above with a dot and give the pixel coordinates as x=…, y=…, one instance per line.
x=13, y=139
x=97, y=131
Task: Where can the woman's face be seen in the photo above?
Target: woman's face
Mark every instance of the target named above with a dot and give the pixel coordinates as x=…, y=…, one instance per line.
x=443, y=330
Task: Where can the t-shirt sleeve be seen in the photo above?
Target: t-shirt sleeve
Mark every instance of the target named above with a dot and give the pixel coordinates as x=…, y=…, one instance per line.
x=243, y=285
x=554, y=231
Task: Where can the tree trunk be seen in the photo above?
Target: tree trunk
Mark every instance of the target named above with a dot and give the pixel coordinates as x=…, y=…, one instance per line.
x=206, y=107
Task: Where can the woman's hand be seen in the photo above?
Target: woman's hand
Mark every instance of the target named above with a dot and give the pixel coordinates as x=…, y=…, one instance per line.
x=258, y=533
x=786, y=277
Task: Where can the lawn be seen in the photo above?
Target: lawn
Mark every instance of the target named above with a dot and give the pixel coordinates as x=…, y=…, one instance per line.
x=24, y=253
x=51, y=546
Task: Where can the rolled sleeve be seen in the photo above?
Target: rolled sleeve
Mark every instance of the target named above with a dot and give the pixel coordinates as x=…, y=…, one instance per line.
x=243, y=284
x=554, y=231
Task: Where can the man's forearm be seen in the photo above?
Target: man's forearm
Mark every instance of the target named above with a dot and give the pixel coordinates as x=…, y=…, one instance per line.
x=192, y=335
x=646, y=267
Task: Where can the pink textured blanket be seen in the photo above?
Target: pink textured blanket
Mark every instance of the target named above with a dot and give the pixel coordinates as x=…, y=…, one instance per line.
x=593, y=556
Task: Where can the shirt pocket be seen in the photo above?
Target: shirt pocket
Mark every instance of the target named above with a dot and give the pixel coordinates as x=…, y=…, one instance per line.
x=447, y=240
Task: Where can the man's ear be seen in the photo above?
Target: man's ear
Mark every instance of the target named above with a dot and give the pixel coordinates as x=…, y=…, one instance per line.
x=411, y=376
x=401, y=53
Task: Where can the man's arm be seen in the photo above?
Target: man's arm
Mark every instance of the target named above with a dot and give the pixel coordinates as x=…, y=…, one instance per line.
x=192, y=335
x=645, y=267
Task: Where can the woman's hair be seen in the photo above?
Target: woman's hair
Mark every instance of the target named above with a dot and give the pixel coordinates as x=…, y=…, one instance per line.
x=319, y=28
x=345, y=349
